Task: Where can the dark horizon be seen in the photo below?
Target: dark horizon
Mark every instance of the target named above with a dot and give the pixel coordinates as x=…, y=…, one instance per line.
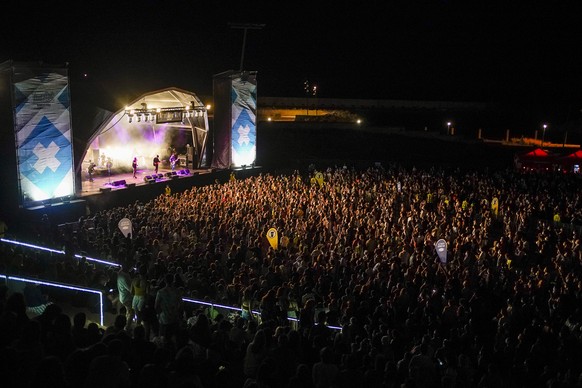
x=523, y=57
x=443, y=50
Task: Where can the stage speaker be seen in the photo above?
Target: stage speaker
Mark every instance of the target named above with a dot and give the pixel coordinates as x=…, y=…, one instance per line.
x=147, y=178
x=160, y=176
x=169, y=174
x=174, y=173
x=105, y=189
x=119, y=183
x=186, y=171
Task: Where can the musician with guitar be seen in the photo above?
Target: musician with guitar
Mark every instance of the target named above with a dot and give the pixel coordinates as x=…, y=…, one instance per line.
x=173, y=161
x=157, y=163
x=91, y=170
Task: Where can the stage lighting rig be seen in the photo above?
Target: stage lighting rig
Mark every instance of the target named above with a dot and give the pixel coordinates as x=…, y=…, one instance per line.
x=165, y=115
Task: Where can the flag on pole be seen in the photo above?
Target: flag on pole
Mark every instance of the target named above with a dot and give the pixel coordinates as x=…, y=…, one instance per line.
x=319, y=178
x=441, y=248
x=273, y=238
x=125, y=226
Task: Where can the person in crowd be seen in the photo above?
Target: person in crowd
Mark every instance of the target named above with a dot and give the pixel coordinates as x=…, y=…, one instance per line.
x=139, y=290
x=36, y=300
x=325, y=371
x=168, y=306
x=363, y=247
x=124, y=283
x=256, y=353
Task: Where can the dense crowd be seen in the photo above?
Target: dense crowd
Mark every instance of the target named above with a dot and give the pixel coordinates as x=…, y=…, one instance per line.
x=356, y=249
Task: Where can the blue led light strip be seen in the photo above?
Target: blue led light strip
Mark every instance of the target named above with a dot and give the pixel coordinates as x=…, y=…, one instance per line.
x=110, y=263
x=32, y=246
x=61, y=285
x=60, y=252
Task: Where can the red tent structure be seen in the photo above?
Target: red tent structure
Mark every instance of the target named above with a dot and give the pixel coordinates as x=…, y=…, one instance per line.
x=537, y=160
x=571, y=163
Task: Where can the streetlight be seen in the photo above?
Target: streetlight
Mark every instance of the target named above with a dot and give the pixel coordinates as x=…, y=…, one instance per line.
x=448, y=128
x=314, y=92
x=306, y=88
x=544, y=133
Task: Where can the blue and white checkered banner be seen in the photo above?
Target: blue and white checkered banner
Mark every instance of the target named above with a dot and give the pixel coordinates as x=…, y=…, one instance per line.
x=43, y=137
x=244, y=120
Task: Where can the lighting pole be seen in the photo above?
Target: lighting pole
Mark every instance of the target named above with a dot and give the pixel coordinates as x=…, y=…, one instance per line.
x=245, y=27
x=315, y=96
x=306, y=88
x=544, y=133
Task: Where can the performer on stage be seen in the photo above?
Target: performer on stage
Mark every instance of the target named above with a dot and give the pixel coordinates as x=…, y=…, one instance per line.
x=91, y=170
x=109, y=165
x=173, y=160
x=134, y=165
x=156, y=163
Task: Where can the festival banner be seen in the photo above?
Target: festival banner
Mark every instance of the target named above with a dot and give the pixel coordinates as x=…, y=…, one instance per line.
x=273, y=238
x=441, y=249
x=244, y=119
x=42, y=125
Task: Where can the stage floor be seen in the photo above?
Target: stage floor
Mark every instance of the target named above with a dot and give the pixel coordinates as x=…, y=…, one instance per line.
x=115, y=181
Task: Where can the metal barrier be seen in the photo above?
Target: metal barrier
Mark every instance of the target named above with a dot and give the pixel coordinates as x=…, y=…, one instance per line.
x=9, y=278
x=225, y=308
x=60, y=252
x=256, y=314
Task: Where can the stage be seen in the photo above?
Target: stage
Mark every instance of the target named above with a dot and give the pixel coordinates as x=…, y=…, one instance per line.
x=103, y=182
x=122, y=190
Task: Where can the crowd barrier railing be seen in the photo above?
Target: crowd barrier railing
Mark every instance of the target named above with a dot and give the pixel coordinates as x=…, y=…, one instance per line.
x=11, y=278
x=224, y=309
x=59, y=252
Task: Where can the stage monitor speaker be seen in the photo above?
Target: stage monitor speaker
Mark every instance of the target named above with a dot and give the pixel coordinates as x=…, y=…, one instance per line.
x=119, y=183
x=105, y=189
x=186, y=171
x=147, y=178
x=169, y=174
x=174, y=173
x=160, y=176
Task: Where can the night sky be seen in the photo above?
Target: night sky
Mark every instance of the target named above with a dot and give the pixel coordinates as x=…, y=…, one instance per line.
x=431, y=50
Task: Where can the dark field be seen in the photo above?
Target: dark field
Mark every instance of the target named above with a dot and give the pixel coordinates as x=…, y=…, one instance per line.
x=284, y=145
